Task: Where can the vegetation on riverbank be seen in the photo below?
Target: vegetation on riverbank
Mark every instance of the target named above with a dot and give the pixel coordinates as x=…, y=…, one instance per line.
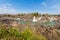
x=14, y=34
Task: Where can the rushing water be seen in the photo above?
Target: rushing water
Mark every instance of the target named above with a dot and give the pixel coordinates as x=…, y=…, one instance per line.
x=50, y=23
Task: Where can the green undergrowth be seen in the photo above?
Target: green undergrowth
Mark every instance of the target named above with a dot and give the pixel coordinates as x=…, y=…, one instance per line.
x=14, y=34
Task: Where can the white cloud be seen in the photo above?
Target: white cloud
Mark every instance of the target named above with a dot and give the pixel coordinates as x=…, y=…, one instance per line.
x=56, y=6
x=44, y=4
x=7, y=8
x=54, y=9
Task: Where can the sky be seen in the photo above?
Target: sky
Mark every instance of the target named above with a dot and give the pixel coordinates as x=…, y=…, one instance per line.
x=29, y=6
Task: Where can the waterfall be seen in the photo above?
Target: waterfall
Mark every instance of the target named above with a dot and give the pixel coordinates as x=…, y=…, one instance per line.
x=34, y=19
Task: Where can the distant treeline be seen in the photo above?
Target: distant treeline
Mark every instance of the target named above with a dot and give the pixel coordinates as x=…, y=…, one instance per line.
x=24, y=14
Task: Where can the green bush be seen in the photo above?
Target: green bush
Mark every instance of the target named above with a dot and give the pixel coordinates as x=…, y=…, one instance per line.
x=36, y=14
x=26, y=34
x=14, y=34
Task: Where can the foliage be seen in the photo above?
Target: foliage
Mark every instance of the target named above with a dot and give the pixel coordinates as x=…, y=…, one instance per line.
x=14, y=34
x=36, y=14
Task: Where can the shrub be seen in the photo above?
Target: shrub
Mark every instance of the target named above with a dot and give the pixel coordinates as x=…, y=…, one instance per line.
x=14, y=34
x=26, y=34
